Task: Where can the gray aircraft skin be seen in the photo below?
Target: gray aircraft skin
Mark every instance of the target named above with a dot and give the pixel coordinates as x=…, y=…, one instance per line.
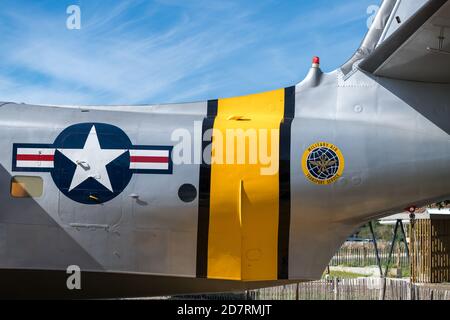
x=387, y=112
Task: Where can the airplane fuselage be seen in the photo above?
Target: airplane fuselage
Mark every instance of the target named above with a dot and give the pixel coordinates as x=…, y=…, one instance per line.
x=131, y=190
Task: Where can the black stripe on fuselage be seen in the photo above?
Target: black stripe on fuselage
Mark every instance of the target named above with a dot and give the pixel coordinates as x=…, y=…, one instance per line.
x=204, y=196
x=213, y=107
x=285, y=184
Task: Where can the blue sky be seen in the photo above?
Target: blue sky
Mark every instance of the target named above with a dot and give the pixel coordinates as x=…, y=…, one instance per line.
x=139, y=52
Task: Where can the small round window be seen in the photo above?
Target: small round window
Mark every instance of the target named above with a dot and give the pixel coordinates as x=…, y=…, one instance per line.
x=187, y=193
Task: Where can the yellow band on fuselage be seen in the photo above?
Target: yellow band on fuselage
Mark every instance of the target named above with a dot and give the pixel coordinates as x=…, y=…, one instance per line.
x=244, y=203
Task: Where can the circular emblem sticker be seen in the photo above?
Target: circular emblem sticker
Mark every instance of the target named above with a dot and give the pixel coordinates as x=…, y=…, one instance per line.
x=323, y=163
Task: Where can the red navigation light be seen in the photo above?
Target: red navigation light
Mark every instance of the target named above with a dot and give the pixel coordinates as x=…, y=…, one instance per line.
x=316, y=60
x=411, y=209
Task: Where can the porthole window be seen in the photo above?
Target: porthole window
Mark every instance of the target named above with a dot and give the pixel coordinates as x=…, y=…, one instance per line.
x=27, y=187
x=187, y=193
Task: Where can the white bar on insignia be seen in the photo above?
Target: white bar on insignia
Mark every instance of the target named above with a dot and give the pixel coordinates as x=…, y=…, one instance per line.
x=35, y=151
x=149, y=166
x=149, y=153
x=34, y=164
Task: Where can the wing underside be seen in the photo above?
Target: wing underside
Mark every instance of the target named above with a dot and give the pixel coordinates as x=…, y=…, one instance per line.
x=419, y=50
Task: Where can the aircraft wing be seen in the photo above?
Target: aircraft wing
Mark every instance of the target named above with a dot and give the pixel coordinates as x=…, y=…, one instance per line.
x=419, y=50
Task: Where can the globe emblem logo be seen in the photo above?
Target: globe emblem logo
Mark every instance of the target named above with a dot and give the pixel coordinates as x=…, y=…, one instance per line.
x=323, y=163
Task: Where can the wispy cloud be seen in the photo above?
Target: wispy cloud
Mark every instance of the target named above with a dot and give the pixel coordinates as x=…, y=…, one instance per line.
x=130, y=52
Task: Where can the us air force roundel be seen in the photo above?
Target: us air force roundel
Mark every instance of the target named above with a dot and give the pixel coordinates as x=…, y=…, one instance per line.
x=323, y=163
x=92, y=163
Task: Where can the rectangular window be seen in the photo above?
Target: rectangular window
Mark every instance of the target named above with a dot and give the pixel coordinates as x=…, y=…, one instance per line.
x=27, y=187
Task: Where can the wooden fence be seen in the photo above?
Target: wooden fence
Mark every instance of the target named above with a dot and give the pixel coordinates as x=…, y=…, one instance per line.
x=363, y=255
x=353, y=289
x=338, y=289
x=430, y=249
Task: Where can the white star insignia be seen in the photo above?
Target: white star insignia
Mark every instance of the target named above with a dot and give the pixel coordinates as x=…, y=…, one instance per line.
x=91, y=161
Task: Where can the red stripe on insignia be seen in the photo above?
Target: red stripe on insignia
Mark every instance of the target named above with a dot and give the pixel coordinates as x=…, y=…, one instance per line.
x=35, y=157
x=144, y=159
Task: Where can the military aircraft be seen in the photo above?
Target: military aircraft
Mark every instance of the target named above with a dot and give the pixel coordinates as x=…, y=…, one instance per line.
x=150, y=200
